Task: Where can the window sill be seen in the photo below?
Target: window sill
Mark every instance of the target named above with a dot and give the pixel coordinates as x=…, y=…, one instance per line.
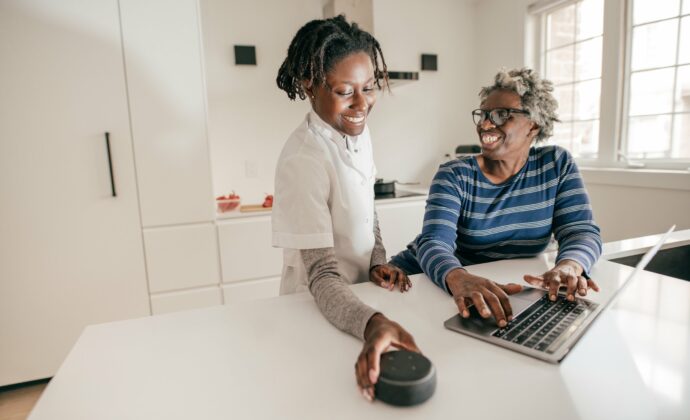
x=645, y=178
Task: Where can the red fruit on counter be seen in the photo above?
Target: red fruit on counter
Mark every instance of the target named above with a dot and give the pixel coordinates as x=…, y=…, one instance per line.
x=268, y=201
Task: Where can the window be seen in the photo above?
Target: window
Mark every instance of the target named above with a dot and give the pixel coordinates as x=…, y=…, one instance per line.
x=658, y=109
x=572, y=61
x=621, y=70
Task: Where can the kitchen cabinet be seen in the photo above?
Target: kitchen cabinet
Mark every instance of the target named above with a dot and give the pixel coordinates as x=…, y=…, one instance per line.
x=162, y=48
x=71, y=252
x=400, y=221
x=246, y=252
x=183, y=300
x=182, y=257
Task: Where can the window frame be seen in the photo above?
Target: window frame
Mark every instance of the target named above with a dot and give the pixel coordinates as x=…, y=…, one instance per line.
x=615, y=81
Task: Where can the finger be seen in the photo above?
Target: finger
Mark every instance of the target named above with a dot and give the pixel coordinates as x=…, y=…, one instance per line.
x=373, y=358
x=592, y=285
x=510, y=288
x=402, y=281
x=536, y=281
x=495, y=305
x=408, y=283
x=361, y=372
x=581, y=286
x=393, y=280
x=377, y=278
x=571, y=286
x=462, y=307
x=480, y=304
x=500, y=293
x=554, y=285
x=407, y=342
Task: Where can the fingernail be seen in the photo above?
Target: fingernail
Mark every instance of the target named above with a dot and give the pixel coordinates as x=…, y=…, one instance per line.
x=510, y=318
x=583, y=292
x=571, y=297
x=502, y=323
x=553, y=297
x=465, y=314
x=366, y=395
x=486, y=312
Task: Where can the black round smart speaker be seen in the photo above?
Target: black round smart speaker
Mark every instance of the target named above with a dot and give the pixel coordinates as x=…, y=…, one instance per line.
x=406, y=378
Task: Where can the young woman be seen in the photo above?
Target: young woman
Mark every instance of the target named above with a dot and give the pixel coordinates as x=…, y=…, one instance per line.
x=323, y=214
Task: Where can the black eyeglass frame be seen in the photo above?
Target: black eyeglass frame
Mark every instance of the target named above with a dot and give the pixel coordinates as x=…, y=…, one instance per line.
x=483, y=114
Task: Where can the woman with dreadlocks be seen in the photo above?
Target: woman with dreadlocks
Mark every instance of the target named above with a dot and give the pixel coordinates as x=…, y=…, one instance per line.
x=323, y=215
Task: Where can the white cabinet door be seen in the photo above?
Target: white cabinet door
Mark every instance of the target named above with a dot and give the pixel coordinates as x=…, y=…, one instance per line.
x=182, y=257
x=162, y=48
x=71, y=253
x=251, y=290
x=245, y=249
x=400, y=223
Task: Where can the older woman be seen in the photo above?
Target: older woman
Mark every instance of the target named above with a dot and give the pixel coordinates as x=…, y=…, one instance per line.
x=506, y=203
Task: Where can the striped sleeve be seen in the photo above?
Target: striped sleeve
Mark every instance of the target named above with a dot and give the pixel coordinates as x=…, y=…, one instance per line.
x=578, y=236
x=436, y=243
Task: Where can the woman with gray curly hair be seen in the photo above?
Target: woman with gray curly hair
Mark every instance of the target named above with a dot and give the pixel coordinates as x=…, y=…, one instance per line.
x=506, y=203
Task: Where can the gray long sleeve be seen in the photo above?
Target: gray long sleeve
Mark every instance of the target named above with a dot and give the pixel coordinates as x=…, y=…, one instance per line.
x=378, y=254
x=331, y=292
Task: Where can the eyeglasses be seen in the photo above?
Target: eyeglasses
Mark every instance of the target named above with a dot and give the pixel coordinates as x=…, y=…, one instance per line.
x=498, y=116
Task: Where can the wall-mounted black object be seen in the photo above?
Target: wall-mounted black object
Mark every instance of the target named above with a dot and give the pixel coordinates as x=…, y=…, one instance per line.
x=245, y=54
x=429, y=62
x=403, y=75
x=406, y=378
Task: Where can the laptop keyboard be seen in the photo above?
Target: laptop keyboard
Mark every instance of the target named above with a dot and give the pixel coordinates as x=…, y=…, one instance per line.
x=541, y=323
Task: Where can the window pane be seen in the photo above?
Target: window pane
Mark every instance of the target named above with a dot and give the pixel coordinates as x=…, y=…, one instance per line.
x=588, y=59
x=559, y=64
x=560, y=27
x=590, y=18
x=564, y=96
x=654, y=45
x=586, y=138
x=587, y=95
x=681, y=136
x=562, y=136
x=683, y=90
x=649, y=136
x=651, y=92
x=650, y=10
x=684, y=51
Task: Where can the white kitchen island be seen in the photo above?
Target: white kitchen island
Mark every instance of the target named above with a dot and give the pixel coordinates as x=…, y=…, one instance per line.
x=279, y=358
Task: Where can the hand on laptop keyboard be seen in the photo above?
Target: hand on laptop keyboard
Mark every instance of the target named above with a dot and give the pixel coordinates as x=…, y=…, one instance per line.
x=568, y=274
x=488, y=297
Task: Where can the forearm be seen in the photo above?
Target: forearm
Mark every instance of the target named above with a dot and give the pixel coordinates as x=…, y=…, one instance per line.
x=332, y=295
x=378, y=254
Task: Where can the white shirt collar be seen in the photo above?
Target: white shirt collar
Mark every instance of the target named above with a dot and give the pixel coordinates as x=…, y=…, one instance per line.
x=320, y=126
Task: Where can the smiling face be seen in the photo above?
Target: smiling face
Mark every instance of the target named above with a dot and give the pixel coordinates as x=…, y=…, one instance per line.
x=348, y=95
x=511, y=140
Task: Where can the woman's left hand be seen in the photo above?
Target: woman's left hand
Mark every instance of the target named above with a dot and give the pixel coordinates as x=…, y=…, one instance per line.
x=389, y=277
x=566, y=274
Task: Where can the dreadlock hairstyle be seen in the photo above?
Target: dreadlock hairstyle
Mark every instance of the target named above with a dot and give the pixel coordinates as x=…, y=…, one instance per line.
x=318, y=46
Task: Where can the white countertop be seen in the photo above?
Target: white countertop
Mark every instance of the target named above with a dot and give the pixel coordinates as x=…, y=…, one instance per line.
x=280, y=359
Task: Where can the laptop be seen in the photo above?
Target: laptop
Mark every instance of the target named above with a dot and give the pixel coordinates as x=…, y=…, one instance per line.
x=541, y=328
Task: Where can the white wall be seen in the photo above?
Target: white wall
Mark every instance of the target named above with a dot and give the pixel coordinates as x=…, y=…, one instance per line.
x=421, y=121
x=249, y=117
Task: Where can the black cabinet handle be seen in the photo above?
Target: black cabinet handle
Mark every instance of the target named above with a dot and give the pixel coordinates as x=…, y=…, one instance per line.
x=110, y=164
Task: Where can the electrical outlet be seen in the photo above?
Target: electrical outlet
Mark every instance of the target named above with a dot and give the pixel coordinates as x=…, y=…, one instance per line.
x=251, y=169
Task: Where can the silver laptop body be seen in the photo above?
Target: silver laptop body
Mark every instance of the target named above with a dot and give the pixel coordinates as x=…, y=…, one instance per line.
x=541, y=328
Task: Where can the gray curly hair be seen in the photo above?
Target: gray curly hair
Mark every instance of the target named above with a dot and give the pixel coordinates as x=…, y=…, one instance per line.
x=535, y=94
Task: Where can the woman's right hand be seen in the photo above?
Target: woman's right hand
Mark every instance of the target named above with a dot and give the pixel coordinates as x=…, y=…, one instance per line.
x=379, y=334
x=488, y=297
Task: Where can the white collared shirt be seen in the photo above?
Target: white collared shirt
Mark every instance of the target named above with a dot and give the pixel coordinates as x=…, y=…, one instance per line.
x=324, y=197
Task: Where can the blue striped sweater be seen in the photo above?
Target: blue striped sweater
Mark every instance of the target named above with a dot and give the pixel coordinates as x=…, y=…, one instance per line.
x=470, y=220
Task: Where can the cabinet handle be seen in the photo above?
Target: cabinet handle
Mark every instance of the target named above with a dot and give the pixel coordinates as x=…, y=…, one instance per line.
x=110, y=164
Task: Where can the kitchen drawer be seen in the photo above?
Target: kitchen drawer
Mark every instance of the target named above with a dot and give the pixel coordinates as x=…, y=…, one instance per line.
x=181, y=257
x=245, y=250
x=251, y=290
x=184, y=300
